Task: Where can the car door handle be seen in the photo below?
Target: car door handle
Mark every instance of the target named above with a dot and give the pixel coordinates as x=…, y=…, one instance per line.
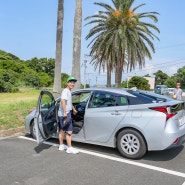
x=115, y=113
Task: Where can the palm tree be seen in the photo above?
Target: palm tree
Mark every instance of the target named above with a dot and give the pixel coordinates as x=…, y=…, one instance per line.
x=121, y=36
x=77, y=43
x=106, y=64
x=58, y=59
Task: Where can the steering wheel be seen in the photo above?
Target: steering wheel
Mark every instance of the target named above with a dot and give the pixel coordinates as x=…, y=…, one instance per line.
x=79, y=108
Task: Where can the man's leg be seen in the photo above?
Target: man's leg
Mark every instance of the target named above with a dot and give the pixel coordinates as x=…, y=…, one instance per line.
x=61, y=137
x=68, y=138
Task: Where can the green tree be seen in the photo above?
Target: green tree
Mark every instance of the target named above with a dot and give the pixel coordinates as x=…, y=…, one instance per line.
x=170, y=82
x=64, y=77
x=139, y=82
x=8, y=80
x=180, y=76
x=77, y=43
x=124, y=84
x=160, y=77
x=44, y=80
x=8, y=56
x=121, y=36
x=42, y=65
x=147, y=75
x=31, y=78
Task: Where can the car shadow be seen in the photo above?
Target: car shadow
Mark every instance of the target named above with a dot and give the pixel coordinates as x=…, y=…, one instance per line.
x=164, y=155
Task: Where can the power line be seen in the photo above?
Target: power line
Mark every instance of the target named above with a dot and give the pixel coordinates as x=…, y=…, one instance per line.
x=171, y=46
x=152, y=68
x=175, y=62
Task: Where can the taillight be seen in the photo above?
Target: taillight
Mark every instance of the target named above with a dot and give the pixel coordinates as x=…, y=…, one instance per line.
x=176, y=141
x=166, y=110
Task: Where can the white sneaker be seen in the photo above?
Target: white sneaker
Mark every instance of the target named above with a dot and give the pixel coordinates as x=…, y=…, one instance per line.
x=62, y=147
x=71, y=150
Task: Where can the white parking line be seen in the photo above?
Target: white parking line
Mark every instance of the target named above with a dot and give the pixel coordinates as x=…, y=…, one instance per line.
x=183, y=183
x=155, y=168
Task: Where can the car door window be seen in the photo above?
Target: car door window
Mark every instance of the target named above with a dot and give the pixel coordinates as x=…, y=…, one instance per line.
x=121, y=100
x=102, y=100
x=46, y=102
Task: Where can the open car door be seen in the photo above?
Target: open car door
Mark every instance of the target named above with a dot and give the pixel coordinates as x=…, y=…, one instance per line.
x=45, y=120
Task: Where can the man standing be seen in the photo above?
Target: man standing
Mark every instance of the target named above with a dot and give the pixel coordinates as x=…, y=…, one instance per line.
x=64, y=113
x=177, y=93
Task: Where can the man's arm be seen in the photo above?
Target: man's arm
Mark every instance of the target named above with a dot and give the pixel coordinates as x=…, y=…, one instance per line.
x=74, y=110
x=63, y=102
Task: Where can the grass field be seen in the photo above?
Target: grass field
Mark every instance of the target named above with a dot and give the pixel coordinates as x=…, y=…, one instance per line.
x=15, y=106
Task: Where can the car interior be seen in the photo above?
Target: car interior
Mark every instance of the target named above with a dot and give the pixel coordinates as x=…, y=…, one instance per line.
x=79, y=101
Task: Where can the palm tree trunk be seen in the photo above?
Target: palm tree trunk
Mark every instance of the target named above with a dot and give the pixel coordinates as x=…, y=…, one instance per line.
x=58, y=59
x=108, y=74
x=119, y=69
x=77, y=43
x=118, y=77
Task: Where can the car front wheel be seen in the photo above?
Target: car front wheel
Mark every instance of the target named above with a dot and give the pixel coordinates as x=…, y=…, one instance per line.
x=32, y=130
x=131, y=144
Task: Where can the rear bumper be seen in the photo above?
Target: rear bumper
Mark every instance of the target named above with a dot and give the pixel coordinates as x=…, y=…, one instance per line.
x=172, y=136
x=179, y=143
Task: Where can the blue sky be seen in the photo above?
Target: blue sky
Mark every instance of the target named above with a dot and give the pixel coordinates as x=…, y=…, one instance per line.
x=28, y=30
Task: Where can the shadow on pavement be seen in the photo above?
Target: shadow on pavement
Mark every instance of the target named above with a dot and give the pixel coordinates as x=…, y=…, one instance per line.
x=41, y=147
x=165, y=155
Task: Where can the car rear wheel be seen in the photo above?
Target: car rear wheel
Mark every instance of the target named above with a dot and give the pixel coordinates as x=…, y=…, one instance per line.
x=32, y=130
x=131, y=144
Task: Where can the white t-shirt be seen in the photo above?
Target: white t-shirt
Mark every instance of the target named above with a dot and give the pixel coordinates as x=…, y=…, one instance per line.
x=178, y=93
x=66, y=95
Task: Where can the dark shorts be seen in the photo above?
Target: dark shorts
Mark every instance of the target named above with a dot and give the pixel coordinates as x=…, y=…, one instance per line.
x=68, y=126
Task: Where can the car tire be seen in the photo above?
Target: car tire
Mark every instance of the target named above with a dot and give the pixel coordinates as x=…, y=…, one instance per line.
x=32, y=130
x=131, y=144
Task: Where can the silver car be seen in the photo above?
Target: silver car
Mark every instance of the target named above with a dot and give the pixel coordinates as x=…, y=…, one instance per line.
x=132, y=121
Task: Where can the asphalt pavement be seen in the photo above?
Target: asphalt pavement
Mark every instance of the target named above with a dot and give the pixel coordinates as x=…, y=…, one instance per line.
x=23, y=162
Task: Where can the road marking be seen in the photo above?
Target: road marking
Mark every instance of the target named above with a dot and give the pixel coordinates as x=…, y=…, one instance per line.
x=127, y=161
x=183, y=183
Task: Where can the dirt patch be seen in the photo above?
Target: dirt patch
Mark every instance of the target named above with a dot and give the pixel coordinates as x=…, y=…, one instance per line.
x=12, y=131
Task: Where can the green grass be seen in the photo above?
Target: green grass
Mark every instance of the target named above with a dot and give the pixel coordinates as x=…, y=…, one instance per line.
x=15, y=106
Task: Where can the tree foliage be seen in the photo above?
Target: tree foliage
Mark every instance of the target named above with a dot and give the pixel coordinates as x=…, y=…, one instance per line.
x=160, y=77
x=139, y=82
x=121, y=35
x=16, y=73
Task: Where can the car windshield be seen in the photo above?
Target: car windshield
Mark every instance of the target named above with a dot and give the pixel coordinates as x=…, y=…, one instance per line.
x=81, y=97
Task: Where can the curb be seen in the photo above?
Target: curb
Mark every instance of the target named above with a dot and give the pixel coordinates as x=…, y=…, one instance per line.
x=12, y=131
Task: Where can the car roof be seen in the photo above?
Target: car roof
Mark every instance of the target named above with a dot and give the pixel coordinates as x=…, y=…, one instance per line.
x=108, y=89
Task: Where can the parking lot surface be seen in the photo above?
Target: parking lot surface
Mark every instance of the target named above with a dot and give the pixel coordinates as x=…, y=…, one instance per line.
x=23, y=162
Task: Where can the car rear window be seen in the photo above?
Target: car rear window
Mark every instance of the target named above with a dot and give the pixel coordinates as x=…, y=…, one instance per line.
x=139, y=98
